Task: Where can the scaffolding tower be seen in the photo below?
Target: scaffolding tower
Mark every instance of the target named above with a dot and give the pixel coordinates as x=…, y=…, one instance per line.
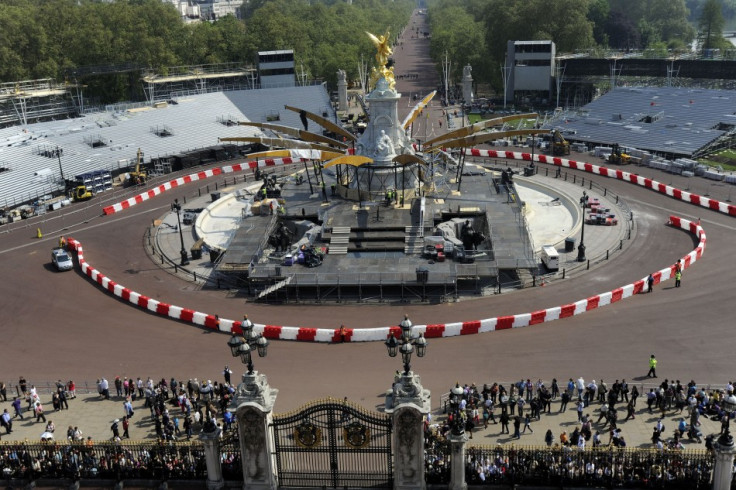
x=30, y=101
x=197, y=79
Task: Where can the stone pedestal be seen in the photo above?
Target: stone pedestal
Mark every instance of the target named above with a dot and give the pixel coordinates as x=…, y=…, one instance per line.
x=253, y=405
x=722, y=472
x=467, y=84
x=408, y=403
x=342, y=91
x=457, y=461
x=383, y=139
x=211, y=442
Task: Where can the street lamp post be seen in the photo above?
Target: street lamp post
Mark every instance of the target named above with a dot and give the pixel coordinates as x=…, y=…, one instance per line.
x=581, y=247
x=176, y=207
x=406, y=344
x=242, y=346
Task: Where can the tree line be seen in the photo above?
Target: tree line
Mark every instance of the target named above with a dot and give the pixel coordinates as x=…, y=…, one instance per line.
x=476, y=32
x=51, y=38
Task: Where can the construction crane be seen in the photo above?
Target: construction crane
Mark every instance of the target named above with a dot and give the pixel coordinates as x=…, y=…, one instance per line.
x=138, y=176
x=560, y=146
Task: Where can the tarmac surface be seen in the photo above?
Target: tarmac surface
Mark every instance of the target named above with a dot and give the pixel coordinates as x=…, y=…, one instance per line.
x=61, y=325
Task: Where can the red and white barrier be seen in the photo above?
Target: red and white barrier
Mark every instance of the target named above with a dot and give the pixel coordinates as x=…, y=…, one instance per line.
x=239, y=167
x=311, y=334
x=674, y=192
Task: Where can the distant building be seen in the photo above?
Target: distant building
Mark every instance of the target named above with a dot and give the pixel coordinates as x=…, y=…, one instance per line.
x=530, y=70
x=206, y=10
x=276, y=68
x=216, y=9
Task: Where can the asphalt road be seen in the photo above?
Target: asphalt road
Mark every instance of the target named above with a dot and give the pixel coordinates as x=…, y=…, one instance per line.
x=61, y=325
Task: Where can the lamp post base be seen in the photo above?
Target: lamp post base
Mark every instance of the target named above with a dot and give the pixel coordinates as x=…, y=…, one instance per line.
x=184, y=257
x=581, y=253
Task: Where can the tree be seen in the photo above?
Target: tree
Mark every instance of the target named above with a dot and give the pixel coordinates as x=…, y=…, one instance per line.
x=710, y=26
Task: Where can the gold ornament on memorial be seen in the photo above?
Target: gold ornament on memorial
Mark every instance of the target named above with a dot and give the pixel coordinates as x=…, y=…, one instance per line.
x=383, y=51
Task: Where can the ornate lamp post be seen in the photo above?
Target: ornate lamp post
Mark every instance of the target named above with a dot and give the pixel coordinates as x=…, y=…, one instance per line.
x=408, y=403
x=243, y=346
x=581, y=247
x=253, y=406
x=406, y=344
x=176, y=207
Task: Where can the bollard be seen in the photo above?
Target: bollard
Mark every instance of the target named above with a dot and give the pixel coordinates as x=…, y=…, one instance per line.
x=605, y=191
x=199, y=192
x=195, y=276
x=563, y=273
x=565, y=176
x=218, y=283
x=162, y=258
x=546, y=172
x=185, y=199
x=215, y=185
x=588, y=267
x=590, y=183
x=621, y=245
x=574, y=178
x=176, y=269
x=616, y=199
x=629, y=237
x=606, y=254
x=582, y=181
x=208, y=189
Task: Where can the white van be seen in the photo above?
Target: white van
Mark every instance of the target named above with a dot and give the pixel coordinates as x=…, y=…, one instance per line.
x=550, y=258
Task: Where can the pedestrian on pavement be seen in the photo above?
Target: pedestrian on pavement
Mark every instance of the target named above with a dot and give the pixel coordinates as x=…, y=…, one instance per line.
x=549, y=438
x=6, y=421
x=528, y=424
x=517, y=427
x=17, y=407
x=652, y=367
x=39, y=412
x=650, y=283
x=126, y=426
x=580, y=407
x=565, y=398
x=504, y=422
x=630, y=411
x=115, y=430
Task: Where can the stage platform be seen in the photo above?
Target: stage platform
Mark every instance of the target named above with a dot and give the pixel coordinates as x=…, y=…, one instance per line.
x=376, y=249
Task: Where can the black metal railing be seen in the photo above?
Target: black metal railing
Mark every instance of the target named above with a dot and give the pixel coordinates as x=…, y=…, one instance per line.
x=607, y=467
x=118, y=461
x=230, y=454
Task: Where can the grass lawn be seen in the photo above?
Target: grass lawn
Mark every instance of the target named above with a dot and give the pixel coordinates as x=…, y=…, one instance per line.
x=725, y=158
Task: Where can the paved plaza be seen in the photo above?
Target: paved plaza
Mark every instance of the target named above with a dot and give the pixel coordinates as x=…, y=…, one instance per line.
x=62, y=325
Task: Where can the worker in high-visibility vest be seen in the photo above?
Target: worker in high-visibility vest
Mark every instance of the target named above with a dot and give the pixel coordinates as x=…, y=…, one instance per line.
x=652, y=367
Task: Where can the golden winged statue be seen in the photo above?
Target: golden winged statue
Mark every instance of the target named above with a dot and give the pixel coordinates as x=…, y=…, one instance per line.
x=383, y=51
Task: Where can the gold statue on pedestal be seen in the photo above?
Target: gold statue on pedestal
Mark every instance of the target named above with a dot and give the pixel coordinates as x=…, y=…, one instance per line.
x=383, y=51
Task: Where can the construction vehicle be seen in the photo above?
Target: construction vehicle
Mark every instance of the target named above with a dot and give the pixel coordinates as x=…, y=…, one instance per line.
x=138, y=176
x=617, y=156
x=78, y=192
x=560, y=146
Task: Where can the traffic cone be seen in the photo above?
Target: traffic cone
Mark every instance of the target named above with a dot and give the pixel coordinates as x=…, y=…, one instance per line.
x=38, y=233
x=541, y=284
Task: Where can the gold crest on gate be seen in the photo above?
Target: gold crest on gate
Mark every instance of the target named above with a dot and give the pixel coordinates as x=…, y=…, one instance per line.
x=356, y=435
x=308, y=435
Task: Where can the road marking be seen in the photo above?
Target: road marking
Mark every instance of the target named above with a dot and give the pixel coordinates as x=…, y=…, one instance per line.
x=691, y=217
x=66, y=228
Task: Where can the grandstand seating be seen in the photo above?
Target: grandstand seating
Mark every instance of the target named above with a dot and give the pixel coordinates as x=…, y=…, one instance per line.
x=194, y=122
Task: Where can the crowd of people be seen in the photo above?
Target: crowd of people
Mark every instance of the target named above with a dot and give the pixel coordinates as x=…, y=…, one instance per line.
x=470, y=408
x=177, y=408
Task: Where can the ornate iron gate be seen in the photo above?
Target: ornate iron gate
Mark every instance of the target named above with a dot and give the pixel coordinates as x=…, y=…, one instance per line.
x=333, y=443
